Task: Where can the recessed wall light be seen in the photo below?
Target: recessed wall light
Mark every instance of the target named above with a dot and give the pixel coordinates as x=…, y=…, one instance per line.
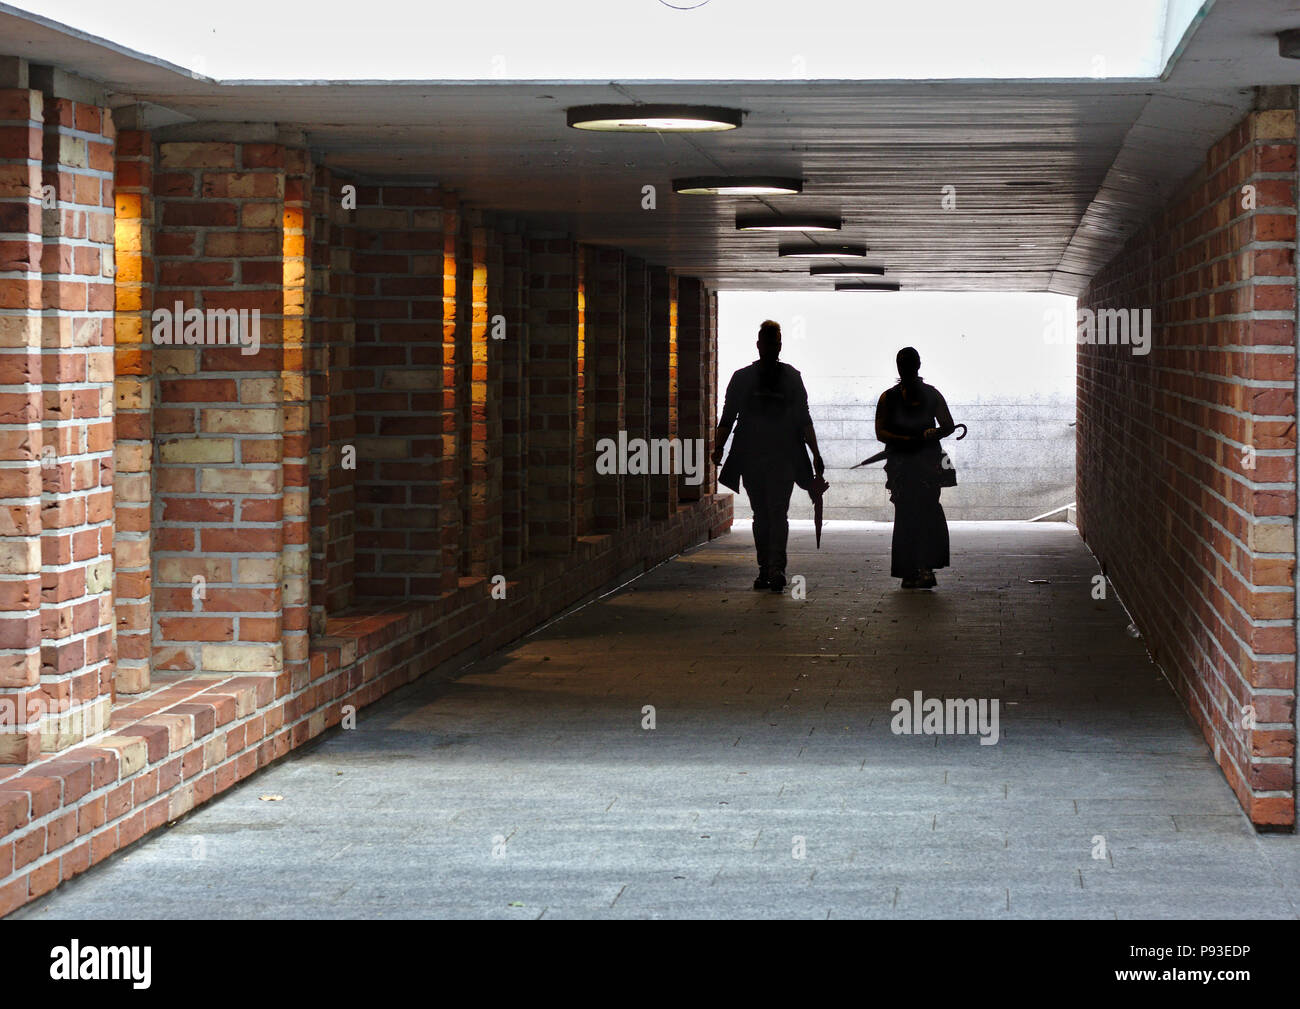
x=819, y=270
x=883, y=285
x=653, y=118
x=737, y=185
x=808, y=250
x=787, y=222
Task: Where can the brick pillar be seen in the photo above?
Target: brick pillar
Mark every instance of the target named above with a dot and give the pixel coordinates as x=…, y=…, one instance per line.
x=494, y=413
x=515, y=414
x=21, y=701
x=133, y=395
x=552, y=393
x=584, y=476
x=692, y=318
x=663, y=382
x=407, y=534
x=637, y=386
x=451, y=481
x=485, y=410
x=77, y=299
x=320, y=458
x=342, y=332
x=607, y=368
x=220, y=469
x=711, y=411
x=464, y=406
x=333, y=430
x=296, y=441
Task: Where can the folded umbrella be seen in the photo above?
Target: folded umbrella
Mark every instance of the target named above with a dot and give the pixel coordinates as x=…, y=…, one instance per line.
x=819, y=487
x=885, y=451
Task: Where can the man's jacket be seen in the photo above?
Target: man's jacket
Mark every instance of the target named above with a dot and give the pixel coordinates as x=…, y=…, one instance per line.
x=770, y=417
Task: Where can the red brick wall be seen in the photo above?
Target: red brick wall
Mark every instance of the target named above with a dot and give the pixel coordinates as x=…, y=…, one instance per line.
x=230, y=448
x=485, y=390
x=663, y=382
x=133, y=414
x=260, y=583
x=692, y=322
x=552, y=393
x=77, y=622
x=607, y=368
x=56, y=427
x=407, y=516
x=21, y=126
x=515, y=401
x=332, y=379
x=1199, y=544
x=636, y=486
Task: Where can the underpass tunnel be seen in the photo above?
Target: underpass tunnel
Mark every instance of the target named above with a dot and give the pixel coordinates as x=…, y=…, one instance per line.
x=317, y=386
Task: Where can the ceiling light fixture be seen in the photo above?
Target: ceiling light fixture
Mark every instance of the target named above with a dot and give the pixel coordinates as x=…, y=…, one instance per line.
x=737, y=185
x=818, y=270
x=788, y=222
x=653, y=118
x=884, y=285
x=807, y=250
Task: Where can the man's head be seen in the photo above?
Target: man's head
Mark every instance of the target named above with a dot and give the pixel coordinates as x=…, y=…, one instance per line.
x=769, y=341
x=909, y=363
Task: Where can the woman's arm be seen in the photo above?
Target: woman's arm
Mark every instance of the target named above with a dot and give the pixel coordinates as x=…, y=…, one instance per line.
x=944, y=416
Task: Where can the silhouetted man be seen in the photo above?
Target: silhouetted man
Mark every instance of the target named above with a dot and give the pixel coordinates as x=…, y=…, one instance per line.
x=768, y=453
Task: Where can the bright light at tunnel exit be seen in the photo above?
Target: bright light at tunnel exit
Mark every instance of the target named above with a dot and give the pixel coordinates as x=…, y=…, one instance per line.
x=645, y=39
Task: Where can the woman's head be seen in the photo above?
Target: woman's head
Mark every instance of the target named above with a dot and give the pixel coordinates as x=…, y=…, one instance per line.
x=909, y=363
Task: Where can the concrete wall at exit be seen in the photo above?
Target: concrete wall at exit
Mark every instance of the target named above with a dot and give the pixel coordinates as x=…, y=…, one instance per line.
x=989, y=354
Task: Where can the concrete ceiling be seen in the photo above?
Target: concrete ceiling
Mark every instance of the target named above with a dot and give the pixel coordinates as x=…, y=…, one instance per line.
x=1049, y=177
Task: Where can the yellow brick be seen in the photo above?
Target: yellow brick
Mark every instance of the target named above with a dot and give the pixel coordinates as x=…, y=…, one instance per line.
x=132, y=488
x=180, y=729
x=132, y=752
x=99, y=576
x=181, y=570
x=1275, y=124
x=258, y=421
x=20, y=557
x=239, y=481
x=198, y=450
x=258, y=571
x=242, y=658
x=259, y=390
x=72, y=151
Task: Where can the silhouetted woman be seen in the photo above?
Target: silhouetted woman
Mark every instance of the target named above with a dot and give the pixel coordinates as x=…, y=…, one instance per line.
x=911, y=417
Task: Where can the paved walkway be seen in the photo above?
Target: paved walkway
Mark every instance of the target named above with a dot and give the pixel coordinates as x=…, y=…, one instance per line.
x=528, y=788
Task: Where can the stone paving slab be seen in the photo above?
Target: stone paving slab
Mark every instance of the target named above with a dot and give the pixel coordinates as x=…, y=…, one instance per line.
x=772, y=784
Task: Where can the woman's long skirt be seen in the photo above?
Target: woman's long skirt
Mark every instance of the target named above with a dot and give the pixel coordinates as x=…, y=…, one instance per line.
x=920, y=529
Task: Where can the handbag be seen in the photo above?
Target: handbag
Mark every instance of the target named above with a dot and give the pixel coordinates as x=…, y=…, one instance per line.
x=947, y=471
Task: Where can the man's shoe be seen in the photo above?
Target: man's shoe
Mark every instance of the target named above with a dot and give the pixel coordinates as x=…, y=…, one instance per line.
x=776, y=583
x=927, y=580
x=910, y=583
x=761, y=583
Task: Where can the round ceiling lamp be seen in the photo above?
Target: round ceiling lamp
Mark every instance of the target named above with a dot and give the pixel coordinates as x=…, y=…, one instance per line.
x=884, y=285
x=807, y=250
x=653, y=118
x=737, y=185
x=788, y=222
x=846, y=271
